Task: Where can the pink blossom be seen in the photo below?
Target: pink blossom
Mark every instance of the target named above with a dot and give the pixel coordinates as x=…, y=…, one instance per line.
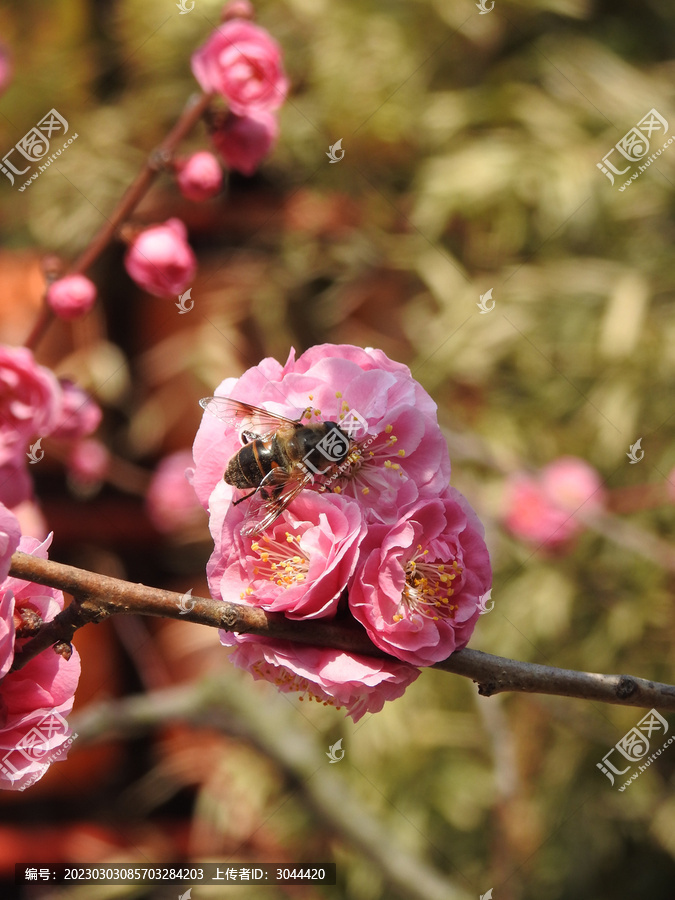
x=200, y=177
x=359, y=683
x=16, y=486
x=10, y=533
x=420, y=581
x=35, y=699
x=237, y=9
x=171, y=501
x=242, y=62
x=404, y=457
x=31, y=520
x=30, y=403
x=79, y=416
x=160, y=260
x=6, y=69
x=670, y=485
x=72, y=296
x=542, y=508
x=244, y=141
x=88, y=461
x=299, y=566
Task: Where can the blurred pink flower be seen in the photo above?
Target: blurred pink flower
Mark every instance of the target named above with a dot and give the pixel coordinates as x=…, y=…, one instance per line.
x=72, y=296
x=670, y=485
x=237, y=9
x=542, y=508
x=359, y=683
x=419, y=581
x=10, y=533
x=88, y=461
x=244, y=141
x=80, y=415
x=160, y=260
x=30, y=403
x=299, y=566
x=6, y=69
x=34, y=700
x=32, y=522
x=406, y=458
x=171, y=501
x=16, y=485
x=199, y=177
x=242, y=62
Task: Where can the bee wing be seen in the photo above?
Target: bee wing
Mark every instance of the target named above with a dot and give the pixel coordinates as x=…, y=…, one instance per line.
x=277, y=489
x=245, y=417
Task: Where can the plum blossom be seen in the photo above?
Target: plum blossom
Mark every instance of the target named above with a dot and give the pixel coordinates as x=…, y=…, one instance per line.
x=171, y=502
x=199, y=177
x=541, y=508
x=34, y=700
x=79, y=416
x=160, y=260
x=242, y=62
x=244, y=141
x=419, y=582
x=335, y=678
x=72, y=296
x=30, y=402
x=299, y=566
x=406, y=458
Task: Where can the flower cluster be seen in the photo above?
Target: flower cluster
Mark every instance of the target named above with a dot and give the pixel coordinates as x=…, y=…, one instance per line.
x=381, y=536
x=34, y=699
x=240, y=62
x=35, y=404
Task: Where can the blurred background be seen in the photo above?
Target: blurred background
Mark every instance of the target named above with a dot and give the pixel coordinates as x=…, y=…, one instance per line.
x=471, y=143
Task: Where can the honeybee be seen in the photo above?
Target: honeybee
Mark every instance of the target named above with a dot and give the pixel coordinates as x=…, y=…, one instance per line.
x=278, y=458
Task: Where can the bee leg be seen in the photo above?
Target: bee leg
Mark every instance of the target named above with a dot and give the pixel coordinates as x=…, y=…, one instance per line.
x=245, y=497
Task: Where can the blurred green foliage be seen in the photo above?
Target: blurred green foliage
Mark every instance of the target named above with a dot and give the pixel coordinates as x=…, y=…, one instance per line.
x=471, y=144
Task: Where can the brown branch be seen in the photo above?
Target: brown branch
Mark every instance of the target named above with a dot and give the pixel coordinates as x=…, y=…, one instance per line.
x=99, y=596
x=160, y=157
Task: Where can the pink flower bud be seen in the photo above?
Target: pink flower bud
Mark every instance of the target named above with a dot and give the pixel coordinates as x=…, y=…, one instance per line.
x=242, y=63
x=237, y=9
x=72, y=296
x=80, y=415
x=88, y=461
x=244, y=141
x=160, y=260
x=200, y=177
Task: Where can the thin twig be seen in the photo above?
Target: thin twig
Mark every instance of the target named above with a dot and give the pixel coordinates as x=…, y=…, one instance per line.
x=158, y=160
x=99, y=596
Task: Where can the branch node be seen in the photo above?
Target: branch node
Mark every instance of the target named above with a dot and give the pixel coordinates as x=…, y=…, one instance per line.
x=626, y=687
x=229, y=617
x=487, y=688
